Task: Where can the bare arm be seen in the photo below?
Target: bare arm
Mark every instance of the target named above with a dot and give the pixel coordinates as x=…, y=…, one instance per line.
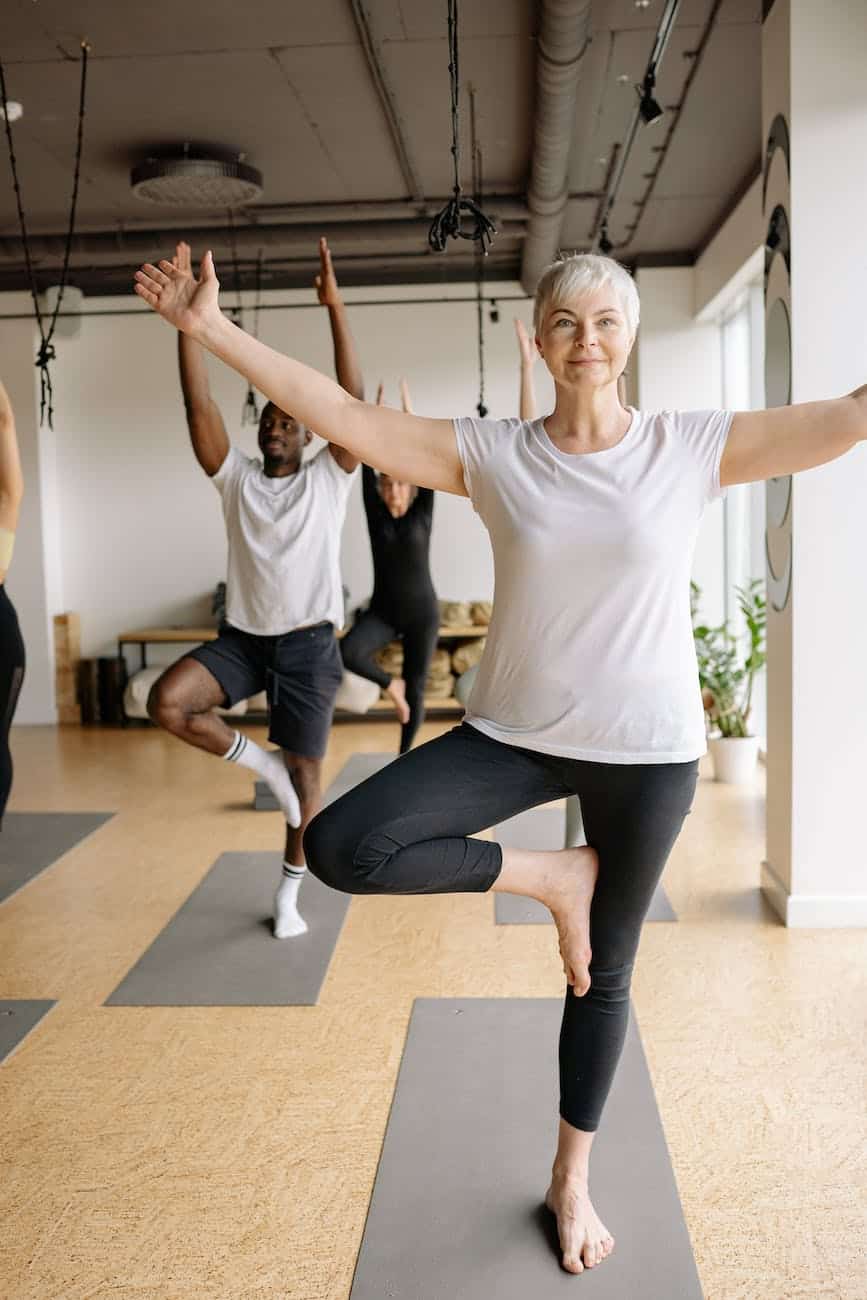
x=787, y=439
x=410, y=448
x=11, y=478
x=204, y=421
x=528, y=351
x=347, y=367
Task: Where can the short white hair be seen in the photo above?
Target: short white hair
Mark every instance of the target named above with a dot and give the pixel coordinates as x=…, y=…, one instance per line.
x=576, y=274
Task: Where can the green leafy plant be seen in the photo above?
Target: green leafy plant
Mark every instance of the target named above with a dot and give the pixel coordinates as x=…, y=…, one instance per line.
x=725, y=672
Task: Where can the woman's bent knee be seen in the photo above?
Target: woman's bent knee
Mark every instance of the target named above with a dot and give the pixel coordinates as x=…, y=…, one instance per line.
x=329, y=852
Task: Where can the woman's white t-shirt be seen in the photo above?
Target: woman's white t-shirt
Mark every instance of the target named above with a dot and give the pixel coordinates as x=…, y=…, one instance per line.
x=590, y=652
x=284, y=543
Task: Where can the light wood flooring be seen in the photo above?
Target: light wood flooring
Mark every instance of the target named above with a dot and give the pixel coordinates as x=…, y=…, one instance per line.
x=229, y=1153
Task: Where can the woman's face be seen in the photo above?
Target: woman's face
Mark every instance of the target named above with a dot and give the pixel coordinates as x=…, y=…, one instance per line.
x=585, y=341
x=396, y=495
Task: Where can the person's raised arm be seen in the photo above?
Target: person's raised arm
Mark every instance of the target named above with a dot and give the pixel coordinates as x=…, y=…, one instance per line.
x=347, y=367
x=204, y=421
x=408, y=447
x=787, y=439
x=527, y=349
x=11, y=481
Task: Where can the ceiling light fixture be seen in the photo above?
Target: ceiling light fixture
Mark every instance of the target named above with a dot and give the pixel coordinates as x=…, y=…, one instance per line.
x=13, y=111
x=196, y=180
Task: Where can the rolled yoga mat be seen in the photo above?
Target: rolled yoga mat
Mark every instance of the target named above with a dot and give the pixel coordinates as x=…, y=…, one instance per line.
x=17, y=1018
x=218, y=949
x=32, y=841
x=457, y=1209
x=544, y=828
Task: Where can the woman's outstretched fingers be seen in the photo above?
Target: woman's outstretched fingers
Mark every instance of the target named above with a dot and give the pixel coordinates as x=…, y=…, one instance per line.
x=145, y=283
x=155, y=274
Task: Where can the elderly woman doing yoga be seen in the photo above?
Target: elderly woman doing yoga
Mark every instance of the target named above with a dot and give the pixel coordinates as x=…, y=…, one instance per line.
x=588, y=684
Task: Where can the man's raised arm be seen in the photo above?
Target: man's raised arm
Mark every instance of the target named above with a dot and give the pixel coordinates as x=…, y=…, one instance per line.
x=204, y=421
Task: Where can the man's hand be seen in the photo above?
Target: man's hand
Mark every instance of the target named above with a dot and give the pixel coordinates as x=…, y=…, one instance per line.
x=525, y=344
x=185, y=302
x=326, y=280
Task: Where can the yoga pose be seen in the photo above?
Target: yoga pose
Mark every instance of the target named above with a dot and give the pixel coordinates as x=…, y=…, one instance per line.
x=12, y=658
x=284, y=596
x=589, y=681
x=404, y=603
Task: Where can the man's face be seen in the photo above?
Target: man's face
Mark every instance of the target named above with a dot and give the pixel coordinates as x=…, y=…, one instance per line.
x=281, y=438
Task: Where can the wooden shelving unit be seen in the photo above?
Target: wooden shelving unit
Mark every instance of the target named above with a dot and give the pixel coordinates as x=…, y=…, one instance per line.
x=442, y=706
x=435, y=705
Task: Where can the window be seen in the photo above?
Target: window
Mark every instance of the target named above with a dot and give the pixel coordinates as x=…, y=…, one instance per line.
x=742, y=336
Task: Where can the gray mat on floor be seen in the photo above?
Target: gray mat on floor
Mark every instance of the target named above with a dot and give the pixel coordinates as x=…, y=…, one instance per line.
x=544, y=828
x=457, y=1213
x=17, y=1018
x=356, y=769
x=32, y=841
x=218, y=949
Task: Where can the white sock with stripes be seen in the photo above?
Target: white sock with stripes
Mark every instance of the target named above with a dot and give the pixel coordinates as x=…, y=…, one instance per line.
x=270, y=766
x=287, y=922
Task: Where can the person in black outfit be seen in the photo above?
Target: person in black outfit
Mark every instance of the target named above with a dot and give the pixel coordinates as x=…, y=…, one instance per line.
x=404, y=603
x=11, y=643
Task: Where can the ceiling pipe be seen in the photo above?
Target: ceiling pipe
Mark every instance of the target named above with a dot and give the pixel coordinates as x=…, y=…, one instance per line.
x=380, y=237
x=564, y=34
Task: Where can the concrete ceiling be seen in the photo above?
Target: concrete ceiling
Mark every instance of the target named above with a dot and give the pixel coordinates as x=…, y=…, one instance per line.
x=288, y=85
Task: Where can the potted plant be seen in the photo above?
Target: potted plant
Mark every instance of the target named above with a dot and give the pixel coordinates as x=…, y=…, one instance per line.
x=727, y=672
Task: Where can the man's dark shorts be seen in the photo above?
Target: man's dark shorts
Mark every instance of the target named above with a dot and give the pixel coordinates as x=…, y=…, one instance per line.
x=300, y=670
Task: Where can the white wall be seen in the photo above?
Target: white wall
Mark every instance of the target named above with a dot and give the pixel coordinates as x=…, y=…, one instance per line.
x=680, y=367
x=139, y=527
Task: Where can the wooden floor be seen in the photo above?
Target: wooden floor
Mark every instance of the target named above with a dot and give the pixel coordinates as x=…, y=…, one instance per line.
x=229, y=1153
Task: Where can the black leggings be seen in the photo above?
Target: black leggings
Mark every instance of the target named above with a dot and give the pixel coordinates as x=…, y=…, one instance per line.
x=404, y=831
x=11, y=677
x=371, y=631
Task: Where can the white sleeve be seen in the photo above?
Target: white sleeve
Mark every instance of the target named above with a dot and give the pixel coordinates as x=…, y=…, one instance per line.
x=704, y=434
x=231, y=471
x=477, y=442
x=339, y=482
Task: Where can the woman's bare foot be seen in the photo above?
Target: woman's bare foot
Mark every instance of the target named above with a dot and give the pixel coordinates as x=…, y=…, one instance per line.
x=584, y=1239
x=397, y=690
x=568, y=894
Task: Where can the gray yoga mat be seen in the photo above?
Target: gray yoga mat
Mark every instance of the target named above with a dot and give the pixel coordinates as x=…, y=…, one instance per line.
x=544, y=828
x=32, y=841
x=17, y=1018
x=355, y=770
x=457, y=1208
x=218, y=949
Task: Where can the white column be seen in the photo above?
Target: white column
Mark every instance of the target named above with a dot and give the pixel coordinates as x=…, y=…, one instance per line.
x=813, y=82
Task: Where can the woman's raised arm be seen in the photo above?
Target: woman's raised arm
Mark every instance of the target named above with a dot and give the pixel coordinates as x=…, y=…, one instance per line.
x=407, y=447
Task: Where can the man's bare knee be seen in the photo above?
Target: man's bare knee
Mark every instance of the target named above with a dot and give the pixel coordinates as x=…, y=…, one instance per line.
x=165, y=706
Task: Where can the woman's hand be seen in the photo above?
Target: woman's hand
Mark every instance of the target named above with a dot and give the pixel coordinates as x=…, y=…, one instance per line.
x=173, y=291
x=326, y=280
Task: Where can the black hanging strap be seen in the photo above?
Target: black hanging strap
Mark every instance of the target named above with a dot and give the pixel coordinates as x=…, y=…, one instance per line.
x=250, y=410
x=480, y=257
x=47, y=353
x=450, y=222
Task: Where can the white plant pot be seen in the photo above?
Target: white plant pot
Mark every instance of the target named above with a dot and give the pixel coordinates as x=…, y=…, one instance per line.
x=734, y=758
